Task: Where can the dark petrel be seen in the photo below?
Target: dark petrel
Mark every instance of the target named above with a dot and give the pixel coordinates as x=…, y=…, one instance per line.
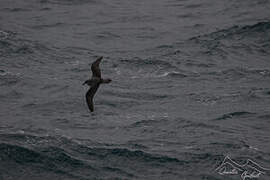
x=94, y=83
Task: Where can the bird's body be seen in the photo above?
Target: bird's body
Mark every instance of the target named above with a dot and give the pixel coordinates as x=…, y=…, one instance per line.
x=94, y=83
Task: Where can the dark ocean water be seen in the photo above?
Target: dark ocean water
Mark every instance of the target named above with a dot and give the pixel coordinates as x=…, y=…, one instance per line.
x=191, y=85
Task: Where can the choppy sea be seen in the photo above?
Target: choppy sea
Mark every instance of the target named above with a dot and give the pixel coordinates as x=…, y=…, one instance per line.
x=191, y=86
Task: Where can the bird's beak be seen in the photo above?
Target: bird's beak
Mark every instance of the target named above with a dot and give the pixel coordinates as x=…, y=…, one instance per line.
x=99, y=58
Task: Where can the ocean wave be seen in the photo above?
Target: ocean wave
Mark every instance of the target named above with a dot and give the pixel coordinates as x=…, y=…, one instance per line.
x=12, y=45
x=205, y=98
x=107, y=35
x=120, y=103
x=265, y=117
x=16, y=9
x=137, y=68
x=202, y=125
x=33, y=148
x=5, y=34
x=51, y=160
x=47, y=26
x=18, y=154
x=234, y=114
x=67, y=2
x=172, y=74
x=159, y=74
x=9, y=78
x=12, y=95
x=69, y=158
x=144, y=123
x=236, y=40
x=237, y=31
x=137, y=62
x=24, y=155
x=9, y=47
x=238, y=73
x=143, y=96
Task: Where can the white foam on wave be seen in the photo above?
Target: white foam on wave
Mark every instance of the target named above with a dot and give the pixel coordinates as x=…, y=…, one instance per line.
x=169, y=73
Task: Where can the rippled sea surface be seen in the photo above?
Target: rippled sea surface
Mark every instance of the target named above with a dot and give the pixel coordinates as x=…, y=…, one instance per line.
x=191, y=85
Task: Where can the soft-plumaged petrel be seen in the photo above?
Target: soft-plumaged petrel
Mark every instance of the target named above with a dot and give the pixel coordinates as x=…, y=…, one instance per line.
x=94, y=83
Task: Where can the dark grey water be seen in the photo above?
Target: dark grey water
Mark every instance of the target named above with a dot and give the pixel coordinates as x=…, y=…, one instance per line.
x=190, y=86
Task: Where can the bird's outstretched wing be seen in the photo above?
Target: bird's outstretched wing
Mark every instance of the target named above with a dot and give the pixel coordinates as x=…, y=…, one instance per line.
x=89, y=96
x=95, y=68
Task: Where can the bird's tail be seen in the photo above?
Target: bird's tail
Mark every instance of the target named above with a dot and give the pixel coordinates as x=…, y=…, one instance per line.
x=106, y=81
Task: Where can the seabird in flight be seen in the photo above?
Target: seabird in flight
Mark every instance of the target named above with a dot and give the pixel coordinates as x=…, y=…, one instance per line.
x=94, y=83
